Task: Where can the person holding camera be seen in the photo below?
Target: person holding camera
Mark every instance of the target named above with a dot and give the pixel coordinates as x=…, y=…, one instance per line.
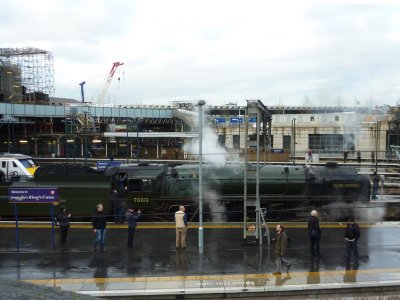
x=63, y=221
x=131, y=218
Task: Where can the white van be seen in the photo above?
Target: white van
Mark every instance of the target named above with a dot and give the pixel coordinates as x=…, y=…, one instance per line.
x=16, y=167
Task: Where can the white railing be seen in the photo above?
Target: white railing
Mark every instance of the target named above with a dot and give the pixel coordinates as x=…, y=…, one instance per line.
x=396, y=150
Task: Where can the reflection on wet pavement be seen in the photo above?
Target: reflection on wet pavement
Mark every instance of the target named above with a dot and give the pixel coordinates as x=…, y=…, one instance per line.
x=154, y=264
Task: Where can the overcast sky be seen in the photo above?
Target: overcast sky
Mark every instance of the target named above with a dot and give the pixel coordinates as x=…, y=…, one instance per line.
x=281, y=52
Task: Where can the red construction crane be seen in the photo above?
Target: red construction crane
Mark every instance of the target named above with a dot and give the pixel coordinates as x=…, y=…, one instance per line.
x=107, y=83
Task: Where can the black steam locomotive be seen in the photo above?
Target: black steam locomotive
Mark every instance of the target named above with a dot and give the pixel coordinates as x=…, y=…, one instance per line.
x=159, y=188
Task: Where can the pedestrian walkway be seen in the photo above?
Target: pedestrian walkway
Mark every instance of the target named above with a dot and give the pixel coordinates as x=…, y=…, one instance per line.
x=154, y=267
x=228, y=284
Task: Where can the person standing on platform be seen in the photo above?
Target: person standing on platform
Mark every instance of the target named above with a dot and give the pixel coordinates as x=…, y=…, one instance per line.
x=115, y=205
x=111, y=156
x=345, y=156
x=309, y=155
x=118, y=202
x=359, y=157
x=314, y=232
x=122, y=184
x=181, y=228
x=118, y=198
x=279, y=248
x=351, y=237
x=373, y=157
x=131, y=218
x=63, y=222
x=375, y=184
x=99, y=224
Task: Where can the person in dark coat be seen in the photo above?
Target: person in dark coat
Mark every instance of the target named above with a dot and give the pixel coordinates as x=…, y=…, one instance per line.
x=131, y=218
x=351, y=237
x=375, y=184
x=118, y=197
x=118, y=204
x=63, y=222
x=314, y=232
x=111, y=156
x=122, y=184
x=99, y=224
x=279, y=248
x=345, y=155
x=359, y=157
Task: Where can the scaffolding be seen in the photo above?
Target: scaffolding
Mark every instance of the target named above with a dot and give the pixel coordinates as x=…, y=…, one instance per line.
x=30, y=73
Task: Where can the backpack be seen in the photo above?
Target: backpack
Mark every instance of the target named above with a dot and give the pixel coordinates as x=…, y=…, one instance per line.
x=314, y=233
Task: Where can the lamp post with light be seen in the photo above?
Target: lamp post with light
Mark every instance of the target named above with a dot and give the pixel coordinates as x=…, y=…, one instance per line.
x=127, y=142
x=201, y=238
x=137, y=140
x=86, y=139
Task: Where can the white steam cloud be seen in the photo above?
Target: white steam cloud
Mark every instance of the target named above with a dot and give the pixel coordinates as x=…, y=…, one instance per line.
x=218, y=211
x=361, y=211
x=212, y=152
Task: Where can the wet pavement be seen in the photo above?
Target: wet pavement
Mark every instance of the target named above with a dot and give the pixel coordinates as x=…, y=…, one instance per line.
x=155, y=267
x=17, y=290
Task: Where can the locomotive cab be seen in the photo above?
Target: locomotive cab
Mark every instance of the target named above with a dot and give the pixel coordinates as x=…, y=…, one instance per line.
x=141, y=183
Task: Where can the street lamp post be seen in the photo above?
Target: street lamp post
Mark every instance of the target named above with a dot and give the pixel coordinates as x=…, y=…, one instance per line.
x=294, y=140
x=137, y=140
x=201, y=238
x=127, y=144
x=8, y=137
x=86, y=140
x=377, y=141
x=85, y=130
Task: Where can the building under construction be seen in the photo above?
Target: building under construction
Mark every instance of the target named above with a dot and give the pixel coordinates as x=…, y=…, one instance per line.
x=26, y=75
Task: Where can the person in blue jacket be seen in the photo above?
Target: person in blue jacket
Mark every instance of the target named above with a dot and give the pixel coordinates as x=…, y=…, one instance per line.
x=99, y=224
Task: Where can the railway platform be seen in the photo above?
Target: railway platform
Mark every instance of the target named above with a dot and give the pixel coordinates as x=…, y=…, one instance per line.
x=228, y=267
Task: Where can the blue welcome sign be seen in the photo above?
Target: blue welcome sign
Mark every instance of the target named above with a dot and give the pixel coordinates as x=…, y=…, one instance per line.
x=219, y=120
x=102, y=165
x=277, y=151
x=33, y=195
x=253, y=120
x=236, y=120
